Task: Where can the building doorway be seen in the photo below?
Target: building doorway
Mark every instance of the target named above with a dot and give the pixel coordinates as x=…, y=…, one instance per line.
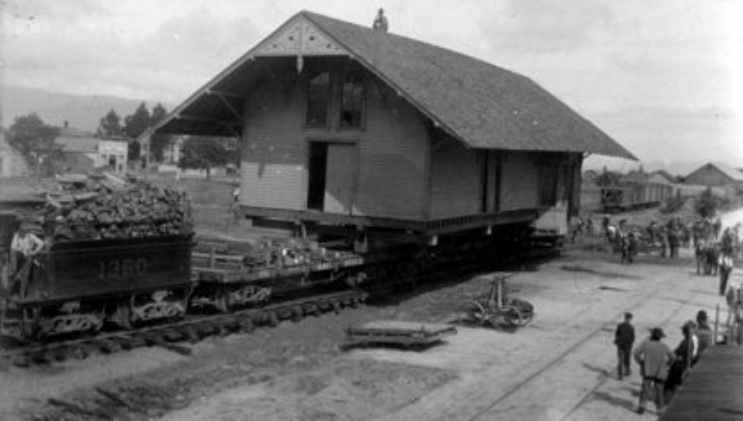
x=332, y=170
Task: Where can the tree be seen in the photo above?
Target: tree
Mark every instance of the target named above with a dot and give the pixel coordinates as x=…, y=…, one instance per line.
x=110, y=125
x=205, y=153
x=673, y=203
x=158, y=142
x=135, y=124
x=706, y=204
x=35, y=141
x=608, y=178
x=134, y=151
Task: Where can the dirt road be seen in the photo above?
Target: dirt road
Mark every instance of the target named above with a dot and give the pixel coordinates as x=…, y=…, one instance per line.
x=560, y=367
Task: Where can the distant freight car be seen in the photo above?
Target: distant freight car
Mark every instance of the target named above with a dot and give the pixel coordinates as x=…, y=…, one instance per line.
x=632, y=196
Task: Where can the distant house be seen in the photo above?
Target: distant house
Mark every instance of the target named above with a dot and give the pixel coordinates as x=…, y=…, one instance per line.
x=12, y=163
x=82, y=151
x=662, y=176
x=716, y=174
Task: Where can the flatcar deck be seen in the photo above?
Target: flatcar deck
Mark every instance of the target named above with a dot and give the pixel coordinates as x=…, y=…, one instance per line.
x=398, y=333
x=713, y=389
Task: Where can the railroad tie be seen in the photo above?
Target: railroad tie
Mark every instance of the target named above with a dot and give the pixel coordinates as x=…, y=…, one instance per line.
x=154, y=339
x=172, y=335
x=106, y=346
x=247, y=325
x=116, y=398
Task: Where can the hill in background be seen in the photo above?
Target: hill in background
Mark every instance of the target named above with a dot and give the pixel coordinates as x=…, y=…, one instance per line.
x=82, y=112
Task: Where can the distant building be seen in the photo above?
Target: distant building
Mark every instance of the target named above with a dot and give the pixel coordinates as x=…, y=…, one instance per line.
x=716, y=174
x=12, y=163
x=82, y=151
x=662, y=176
x=173, y=152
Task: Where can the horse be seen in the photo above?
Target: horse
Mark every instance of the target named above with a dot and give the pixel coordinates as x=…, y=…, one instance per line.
x=628, y=246
x=711, y=259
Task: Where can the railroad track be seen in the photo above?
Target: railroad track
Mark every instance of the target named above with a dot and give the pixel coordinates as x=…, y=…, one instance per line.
x=176, y=336
x=485, y=412
x=191, y=329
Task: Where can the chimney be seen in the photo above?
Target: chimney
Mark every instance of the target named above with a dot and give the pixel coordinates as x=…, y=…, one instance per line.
x=380, y=23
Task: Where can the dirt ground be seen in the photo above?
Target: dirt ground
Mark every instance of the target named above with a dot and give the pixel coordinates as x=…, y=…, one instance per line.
x=559, y=367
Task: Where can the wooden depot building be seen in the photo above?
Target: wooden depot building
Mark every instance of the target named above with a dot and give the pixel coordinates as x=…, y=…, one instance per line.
x=344, y=125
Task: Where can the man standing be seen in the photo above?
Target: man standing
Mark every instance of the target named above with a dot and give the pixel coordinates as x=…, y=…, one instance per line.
x=726, y=266
x=624, y=338
x=24, y=246
x=654, y=357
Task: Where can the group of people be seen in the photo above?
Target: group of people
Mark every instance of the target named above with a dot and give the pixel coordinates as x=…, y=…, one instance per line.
x=714, y=247
x=662, y=369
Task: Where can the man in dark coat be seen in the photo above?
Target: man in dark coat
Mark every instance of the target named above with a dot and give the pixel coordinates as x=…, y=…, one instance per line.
x=624, y=338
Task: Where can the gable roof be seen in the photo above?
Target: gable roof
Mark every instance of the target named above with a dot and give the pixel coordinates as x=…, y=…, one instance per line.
x=728, y=171
x=665, y=174
x=482, y=105
x=78, y=144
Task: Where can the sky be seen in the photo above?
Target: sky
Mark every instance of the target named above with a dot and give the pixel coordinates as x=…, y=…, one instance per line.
x=662, y=77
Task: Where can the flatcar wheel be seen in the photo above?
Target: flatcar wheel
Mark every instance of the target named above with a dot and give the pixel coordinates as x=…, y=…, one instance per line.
x=122, y=317
x=30, y=323
x=223, y=302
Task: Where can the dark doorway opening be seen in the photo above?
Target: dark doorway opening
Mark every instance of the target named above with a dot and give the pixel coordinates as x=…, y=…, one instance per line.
x=317, y=173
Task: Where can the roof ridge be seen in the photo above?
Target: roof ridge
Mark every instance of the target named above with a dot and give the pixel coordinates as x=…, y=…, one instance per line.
x=309, y=14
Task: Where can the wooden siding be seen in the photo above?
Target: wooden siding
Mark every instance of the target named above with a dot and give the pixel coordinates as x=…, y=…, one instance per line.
x=391, y=147
x=273, y=164
x=393, y=172
x=455, y=179
x=519, y=181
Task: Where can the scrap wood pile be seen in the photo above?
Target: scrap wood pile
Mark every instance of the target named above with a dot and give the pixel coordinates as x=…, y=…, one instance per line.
x=103, y=206
x=268, y=253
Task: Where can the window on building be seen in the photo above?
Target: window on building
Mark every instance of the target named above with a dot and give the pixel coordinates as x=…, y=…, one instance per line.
x=318, y=100
x=352, y=101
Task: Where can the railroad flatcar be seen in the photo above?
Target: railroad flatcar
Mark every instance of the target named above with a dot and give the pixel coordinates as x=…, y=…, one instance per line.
x=408, y=155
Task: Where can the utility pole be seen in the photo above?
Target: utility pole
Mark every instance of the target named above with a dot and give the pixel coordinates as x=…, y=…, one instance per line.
x=147, y=138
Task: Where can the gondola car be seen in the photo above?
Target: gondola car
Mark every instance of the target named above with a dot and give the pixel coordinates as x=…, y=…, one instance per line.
x=77, y=287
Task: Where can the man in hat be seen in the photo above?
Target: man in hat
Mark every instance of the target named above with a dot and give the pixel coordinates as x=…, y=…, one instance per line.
x=654, y=357
x=726, y=267
x=24, y=247
x=686, y=356
x=624, y=338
